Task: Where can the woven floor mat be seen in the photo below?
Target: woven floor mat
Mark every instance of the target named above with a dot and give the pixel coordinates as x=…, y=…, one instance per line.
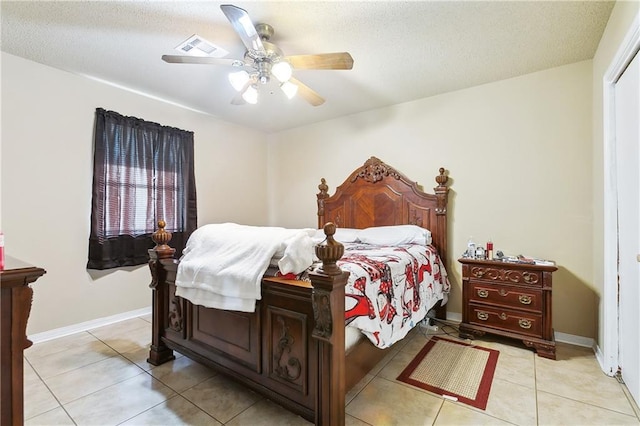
x=453, y=369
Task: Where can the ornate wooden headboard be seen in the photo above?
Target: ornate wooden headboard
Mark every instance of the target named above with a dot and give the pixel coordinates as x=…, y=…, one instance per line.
x=376, y=194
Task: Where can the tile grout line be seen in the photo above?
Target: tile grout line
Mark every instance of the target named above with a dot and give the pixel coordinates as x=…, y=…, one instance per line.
x=632, y=402
x=116, y=353
x=60, y=405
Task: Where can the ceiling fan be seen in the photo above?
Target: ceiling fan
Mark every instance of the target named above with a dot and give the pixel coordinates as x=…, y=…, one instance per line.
x=264, y=60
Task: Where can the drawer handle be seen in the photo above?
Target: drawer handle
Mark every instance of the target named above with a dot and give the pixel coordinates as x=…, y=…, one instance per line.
x=528, y=278
x=503, y=316
x=524, y=323
x=483, y=316
x=503, y=292
x=483, y=293
x=525, y=299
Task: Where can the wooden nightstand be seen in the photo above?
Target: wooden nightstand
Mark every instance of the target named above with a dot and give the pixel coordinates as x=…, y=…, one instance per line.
x=508, y=299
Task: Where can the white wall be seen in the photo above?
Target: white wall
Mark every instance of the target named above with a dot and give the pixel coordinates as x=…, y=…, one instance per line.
x=47, y=128
x=617, y=28
x=519, y=156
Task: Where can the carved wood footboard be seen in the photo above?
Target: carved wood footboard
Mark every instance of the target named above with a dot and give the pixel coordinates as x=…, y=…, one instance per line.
x=291, y=349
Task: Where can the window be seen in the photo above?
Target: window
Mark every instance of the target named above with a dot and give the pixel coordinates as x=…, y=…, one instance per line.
x=133, y=194
x=143, y=172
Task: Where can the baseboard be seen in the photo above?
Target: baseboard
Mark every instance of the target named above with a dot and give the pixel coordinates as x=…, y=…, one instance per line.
x=571, y=339
x=87, y=325
x=454, y=317
x=603, y=365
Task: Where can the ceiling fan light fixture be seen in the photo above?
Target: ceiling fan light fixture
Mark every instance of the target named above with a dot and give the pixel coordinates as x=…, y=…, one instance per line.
x=250, y=95
x=289, y=89
x=282, y=71
x=239, y=79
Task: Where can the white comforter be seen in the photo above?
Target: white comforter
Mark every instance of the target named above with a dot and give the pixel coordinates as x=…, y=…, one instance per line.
x=223, y=264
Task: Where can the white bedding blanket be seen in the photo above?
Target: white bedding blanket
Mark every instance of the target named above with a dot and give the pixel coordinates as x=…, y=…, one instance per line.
x=223, y=264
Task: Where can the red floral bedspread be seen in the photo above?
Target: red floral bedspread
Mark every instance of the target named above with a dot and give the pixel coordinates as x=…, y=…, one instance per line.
x=390, y=289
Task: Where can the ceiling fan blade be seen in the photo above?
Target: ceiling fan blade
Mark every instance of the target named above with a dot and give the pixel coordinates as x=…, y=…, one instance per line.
x=307, y=93
x=180, y=59
x=322, y=61
x=242, y=24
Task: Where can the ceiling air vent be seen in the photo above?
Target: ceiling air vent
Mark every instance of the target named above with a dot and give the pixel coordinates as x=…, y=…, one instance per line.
x=197, y=46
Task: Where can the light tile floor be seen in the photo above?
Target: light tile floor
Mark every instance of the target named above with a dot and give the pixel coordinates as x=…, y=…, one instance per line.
x=101, y=377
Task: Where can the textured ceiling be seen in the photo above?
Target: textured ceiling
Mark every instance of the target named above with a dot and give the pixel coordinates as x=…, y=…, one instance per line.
x=402, y=50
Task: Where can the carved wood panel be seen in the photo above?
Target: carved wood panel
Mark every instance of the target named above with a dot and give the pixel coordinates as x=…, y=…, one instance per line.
x=337, y=216
x=175, y=312
x=287, y=352
x=507, y=275
x=418, y=215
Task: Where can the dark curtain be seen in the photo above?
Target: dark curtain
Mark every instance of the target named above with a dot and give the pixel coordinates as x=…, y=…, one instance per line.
x=143, y=172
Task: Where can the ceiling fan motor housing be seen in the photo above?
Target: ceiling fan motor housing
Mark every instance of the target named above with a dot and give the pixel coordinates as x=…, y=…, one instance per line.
x=265, y=31
x=262, y=61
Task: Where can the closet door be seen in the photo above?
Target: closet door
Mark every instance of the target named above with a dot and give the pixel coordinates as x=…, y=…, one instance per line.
x=627, y=143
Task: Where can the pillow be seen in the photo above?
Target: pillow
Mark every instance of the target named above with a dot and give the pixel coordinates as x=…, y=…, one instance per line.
x=342, y=235
x=395, y=235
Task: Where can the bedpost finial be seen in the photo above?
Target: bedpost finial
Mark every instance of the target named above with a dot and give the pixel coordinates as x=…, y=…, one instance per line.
x=161, y=237
x=323, y=187
x=441, y=193
x=442, y=178
x=322, y=195
x=330, y=229
x=330, y=251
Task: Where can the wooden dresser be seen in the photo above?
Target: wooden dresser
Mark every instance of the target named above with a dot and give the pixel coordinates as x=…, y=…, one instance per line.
x=15, y=305
x=508, y=299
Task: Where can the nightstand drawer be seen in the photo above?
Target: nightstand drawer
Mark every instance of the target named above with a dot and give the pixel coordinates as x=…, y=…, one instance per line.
x=507, y=296
x=504, y=273
x=524, y=323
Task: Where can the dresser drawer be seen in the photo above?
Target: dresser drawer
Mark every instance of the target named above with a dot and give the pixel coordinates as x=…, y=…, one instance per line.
x=524, y=323
x=506, y=296
x=507, y=274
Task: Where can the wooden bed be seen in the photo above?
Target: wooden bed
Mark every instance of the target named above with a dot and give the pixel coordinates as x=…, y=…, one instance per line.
x=292, y=348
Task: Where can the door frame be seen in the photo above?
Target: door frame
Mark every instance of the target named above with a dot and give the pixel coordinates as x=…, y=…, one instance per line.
x=610, y=327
